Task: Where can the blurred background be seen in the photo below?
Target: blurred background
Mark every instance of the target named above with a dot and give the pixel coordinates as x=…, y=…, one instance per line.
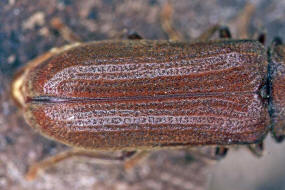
x=26, y=32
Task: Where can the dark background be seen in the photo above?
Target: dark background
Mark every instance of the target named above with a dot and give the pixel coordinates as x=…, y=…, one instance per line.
x=25, y=32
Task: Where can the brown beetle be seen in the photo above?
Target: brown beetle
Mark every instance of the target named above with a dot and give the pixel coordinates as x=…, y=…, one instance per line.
x=142, y=95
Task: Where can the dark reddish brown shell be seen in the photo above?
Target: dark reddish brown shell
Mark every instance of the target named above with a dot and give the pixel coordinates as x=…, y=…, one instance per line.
x=144, y=94
x=277, y=89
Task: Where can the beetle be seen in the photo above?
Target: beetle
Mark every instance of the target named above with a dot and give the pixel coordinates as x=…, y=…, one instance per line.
x=138, y=94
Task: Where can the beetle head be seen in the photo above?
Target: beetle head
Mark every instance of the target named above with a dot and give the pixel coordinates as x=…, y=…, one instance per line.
x=276, y=80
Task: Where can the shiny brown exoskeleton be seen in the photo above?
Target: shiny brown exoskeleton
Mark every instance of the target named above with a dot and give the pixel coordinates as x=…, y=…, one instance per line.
x=143, y=94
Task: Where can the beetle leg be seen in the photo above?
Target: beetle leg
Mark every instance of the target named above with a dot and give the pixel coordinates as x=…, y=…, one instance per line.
x=224, y=32
x=131, y=158
x=208, y=154
x=209, y=33
x=166, y=18
x=135, y=158
x=256, y=149
x=243, y=20
x=64, y=31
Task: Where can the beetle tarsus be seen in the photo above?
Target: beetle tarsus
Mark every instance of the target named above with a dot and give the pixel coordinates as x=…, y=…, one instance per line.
x=256, y=149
